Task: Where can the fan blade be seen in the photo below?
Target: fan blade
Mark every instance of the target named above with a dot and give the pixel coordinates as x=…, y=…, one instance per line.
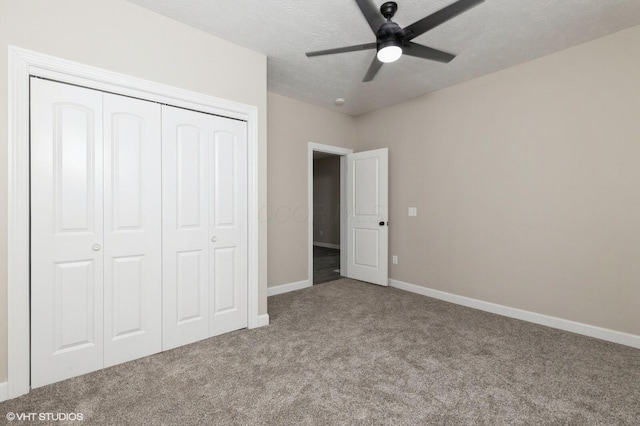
x=373, y=70
x=424, y=52
x=343, y=49
x=440, y=17
x=372, y=14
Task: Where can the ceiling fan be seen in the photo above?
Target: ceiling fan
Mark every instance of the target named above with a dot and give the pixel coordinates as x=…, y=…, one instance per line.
x=393, y=41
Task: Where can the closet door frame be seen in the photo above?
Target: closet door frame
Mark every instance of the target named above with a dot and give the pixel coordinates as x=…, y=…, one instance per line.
x=22, y=65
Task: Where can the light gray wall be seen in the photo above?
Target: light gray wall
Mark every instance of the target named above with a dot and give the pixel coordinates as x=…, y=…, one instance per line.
x=292, y=125
x=527, y=184
x=121, y=37
x=326, y=200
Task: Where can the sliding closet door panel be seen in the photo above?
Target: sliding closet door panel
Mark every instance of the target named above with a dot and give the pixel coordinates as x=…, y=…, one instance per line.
x=228, y=225
x=133, y=239
x=185, y=210
x=66, y=231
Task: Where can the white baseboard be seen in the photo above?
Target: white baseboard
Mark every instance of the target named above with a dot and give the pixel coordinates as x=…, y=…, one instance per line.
x=286, y=288
x=263, y=320
x=549, y=321
x=4, y=392
x=327, y=245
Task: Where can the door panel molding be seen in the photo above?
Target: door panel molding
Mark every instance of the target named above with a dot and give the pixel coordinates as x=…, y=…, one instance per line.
x=133, y=263
x=367, y=221
x=67, y=220
x=185, y=233
x=24, y=63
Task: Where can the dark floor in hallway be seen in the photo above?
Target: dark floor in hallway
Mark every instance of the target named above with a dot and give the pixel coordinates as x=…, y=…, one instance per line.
x=326, y=264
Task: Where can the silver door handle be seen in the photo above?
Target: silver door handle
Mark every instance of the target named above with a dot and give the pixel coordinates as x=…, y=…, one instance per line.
x=96, y=247
x=214, y=239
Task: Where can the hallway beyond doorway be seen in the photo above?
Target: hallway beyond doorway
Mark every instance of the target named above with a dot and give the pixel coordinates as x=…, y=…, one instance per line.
x=326, y=264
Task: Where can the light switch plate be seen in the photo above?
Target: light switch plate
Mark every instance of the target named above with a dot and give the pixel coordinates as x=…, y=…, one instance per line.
x=413, y=211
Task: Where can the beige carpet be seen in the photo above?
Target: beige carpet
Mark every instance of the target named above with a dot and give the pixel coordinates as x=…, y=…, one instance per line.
x=345, y=352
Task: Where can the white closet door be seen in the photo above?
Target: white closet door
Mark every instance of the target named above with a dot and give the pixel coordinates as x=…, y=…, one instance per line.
x=228, y=225
x=185, y=210
x=138, y=229
x=66, y=232
x=204, y=201
x=132, y=229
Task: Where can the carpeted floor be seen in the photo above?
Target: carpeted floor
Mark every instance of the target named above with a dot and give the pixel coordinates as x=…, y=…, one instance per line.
x=346, y=352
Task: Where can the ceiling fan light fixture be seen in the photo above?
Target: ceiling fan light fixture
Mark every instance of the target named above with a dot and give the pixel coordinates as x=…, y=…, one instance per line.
x=392, y=41
x=389, y=53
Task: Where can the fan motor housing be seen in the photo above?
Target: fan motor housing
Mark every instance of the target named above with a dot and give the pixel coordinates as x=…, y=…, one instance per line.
x=388, y=32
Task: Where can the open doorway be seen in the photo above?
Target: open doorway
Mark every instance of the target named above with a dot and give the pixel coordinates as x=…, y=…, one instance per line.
x=328, y=240
x=363, y=224
x=326, y=217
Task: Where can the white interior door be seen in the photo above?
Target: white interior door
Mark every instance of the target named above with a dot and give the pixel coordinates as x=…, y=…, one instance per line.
x=367, y=216
x=185, y=210
x=66, y=231
x=204, y=225
x=96, y=282
x=132, y=229
x=139, y=228
x=228, y=225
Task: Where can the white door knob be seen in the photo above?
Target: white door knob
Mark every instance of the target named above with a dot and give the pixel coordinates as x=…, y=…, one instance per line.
x=96, y=247
x=214, y=239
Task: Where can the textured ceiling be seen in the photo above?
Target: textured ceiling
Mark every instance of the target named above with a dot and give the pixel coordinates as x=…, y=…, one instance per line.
x=495, y=35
